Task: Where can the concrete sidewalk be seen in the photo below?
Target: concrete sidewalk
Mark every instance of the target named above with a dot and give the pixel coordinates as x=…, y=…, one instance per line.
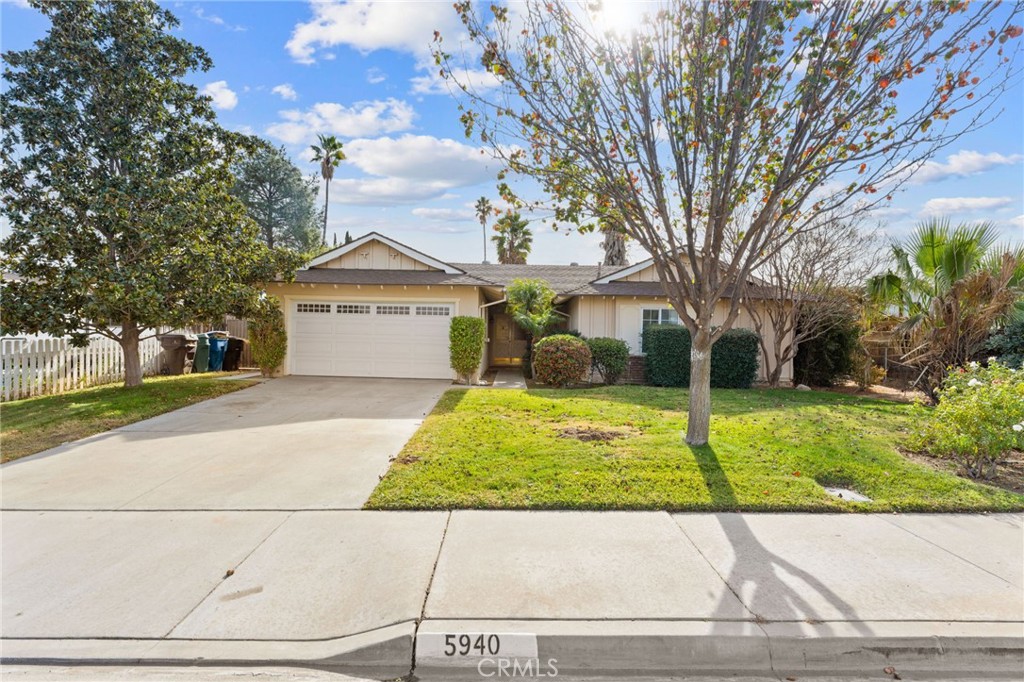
x=623, y=593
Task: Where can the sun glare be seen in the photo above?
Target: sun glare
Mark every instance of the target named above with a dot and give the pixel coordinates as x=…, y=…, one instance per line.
x=621, y=17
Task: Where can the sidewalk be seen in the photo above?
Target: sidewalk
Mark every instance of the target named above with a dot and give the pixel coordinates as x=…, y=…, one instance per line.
x=612, y=593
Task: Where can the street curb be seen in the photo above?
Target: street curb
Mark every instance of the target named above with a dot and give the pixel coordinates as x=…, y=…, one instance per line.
x=737, y=648
x=385, y=653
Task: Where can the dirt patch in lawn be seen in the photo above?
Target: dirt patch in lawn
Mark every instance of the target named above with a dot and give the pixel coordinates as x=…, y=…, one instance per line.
x=1009, y=471
x=588, y=434
x=886, y=391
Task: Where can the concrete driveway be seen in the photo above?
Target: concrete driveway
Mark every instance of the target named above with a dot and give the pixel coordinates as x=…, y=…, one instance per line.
x=294, y=443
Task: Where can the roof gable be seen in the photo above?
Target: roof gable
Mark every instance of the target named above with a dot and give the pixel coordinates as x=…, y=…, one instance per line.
x=374, y=251
x=644, y=271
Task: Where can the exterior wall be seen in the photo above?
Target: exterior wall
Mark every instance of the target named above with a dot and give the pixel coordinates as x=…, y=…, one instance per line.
x=375, y=255
x=466, y=299
x=621, y=317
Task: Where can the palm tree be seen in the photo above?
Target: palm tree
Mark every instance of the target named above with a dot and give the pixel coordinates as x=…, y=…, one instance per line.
x=614, y=243
x=513, y=240
x=949, y=286
x=483, y=210
x=329, y=154
x=531, y=304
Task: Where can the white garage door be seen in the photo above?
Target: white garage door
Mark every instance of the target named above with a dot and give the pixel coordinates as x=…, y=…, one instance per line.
x=364, y=339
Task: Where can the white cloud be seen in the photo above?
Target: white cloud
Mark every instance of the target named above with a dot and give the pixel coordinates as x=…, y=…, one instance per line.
x=375, y=75
x=1018, y=222
x=286, y=91
x=362, y=119
x=374, y=25
x=963, y=164
x=223, y=96
x=944, y=205
x=214, y=19
x=412, y=169
x=422, y=157
x=431, y=83
x=445, y=215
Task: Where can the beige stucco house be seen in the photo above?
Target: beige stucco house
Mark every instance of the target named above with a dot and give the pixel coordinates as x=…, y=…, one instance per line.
x=376, y=307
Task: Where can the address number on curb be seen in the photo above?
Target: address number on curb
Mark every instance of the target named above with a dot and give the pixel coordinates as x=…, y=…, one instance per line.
x=475, y=645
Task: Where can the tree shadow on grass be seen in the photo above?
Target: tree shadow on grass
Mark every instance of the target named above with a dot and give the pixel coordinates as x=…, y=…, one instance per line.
x=757, y=575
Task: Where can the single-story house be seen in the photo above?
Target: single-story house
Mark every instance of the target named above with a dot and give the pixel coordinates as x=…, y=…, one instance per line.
x=378, y=308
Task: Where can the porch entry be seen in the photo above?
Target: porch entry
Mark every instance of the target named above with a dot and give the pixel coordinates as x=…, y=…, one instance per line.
x=508, y=341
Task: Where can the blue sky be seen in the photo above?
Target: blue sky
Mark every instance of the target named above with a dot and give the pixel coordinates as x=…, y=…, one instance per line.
x=288, y=70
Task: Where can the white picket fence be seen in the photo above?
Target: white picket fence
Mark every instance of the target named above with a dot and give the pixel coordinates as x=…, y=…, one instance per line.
x=42, y=366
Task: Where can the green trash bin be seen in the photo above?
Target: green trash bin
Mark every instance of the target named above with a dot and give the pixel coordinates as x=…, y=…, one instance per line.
x=201, y=363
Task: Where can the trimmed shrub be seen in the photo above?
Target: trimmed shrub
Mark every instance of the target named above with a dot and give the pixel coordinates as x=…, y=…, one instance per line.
x=829, y=358
x=609, y=357
x=267, y=335
x=734, y=357
x=667, y=347
x=979, y=418
x=560, y=360
x=466, y=344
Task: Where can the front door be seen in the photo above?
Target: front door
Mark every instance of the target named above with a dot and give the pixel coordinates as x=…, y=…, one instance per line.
x=508, y=341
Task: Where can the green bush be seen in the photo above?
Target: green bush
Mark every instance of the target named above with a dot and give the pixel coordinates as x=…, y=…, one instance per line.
x=734, y=357
x=979, y=418
x=1008, y=345
x=609, y=357
x=825, y=360
x=667, y=347
x=267, y=335
x=560, y=360
x=466, y=344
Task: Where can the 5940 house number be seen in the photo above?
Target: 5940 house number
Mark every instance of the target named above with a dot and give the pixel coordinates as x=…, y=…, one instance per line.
x=470, y=645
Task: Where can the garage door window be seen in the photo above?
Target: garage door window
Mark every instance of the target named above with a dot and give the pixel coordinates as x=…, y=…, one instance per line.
x=392, y=310
x=435, y=310
x=353, y=309
x=314, y=307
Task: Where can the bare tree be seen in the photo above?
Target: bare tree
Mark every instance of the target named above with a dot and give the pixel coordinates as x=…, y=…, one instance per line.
x=809, y=283
x=783, y=109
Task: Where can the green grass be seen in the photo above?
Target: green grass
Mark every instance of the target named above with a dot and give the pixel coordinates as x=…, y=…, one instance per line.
x=770, y=450
x=36, y=424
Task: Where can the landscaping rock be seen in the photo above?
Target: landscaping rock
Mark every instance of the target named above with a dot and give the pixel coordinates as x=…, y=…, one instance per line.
x=803, y=387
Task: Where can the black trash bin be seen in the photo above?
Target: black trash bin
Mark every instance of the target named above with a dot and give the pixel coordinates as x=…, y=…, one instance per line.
x=175, y=346
x=233, y=355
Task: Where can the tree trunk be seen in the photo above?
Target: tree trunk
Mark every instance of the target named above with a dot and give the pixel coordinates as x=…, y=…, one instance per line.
x=327, y=196
x=130, y=348
x=698, y=424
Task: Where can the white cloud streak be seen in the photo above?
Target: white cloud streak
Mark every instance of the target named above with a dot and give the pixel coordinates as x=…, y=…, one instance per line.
x=362, y=119
x=943, y=205
x=223, y=97
x=285, y=91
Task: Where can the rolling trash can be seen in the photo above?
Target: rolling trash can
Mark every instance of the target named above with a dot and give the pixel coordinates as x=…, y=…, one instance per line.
x=201, y=362
x=175, y=347
x=218, y=346
x=233, y=354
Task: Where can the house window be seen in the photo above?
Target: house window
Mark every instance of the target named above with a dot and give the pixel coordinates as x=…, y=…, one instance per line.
x=392, y=310
x=313, y=307
x=353, y=309
x=656, y=316
x=437, y=310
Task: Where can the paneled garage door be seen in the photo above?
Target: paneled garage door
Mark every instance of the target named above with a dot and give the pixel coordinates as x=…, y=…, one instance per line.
x=366, y=339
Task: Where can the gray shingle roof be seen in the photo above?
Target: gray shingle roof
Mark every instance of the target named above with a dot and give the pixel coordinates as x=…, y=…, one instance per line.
x=561, y=278
x=408, y=277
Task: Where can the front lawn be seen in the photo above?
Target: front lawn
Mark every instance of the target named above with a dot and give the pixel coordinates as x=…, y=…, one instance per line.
x=621, y=448
x=36, y=424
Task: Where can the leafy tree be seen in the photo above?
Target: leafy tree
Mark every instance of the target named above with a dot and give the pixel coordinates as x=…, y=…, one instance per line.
x=116, y=181
x=483, y=211
x=329, y=153
x=951, y=286
x=531, y=304
x=348, y=237
x=777, y=111
x=513, y=239
x=278, y=198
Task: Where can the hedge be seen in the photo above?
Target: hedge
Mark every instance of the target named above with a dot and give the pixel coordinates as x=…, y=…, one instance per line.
x=466, y=342
x=268, y=338
x=560, y=360
x=734, y=357
x=828, y=358
x=610, y=357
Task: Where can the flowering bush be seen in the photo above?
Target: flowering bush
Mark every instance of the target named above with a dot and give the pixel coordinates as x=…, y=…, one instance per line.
x=979, y=418
x=561, y=359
